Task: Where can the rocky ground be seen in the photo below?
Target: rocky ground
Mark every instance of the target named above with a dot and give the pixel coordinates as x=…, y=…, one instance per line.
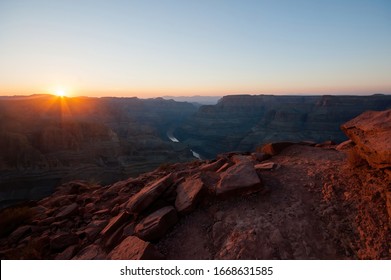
x=284, y=201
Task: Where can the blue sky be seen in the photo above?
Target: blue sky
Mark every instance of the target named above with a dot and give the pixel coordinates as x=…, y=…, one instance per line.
x=151, y=48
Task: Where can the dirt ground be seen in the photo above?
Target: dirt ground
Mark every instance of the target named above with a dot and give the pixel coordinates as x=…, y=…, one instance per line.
x=315, y=205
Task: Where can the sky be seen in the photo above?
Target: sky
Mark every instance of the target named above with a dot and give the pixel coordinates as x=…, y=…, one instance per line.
x=151, y=48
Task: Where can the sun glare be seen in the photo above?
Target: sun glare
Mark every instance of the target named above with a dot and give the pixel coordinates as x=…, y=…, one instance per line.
x=60, y=92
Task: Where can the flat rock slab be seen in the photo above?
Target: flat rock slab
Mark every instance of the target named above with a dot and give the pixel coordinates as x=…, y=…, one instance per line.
x=188, y=193
x=240, y=178
x=133, y=248
x=148, y=195
x=155, y=226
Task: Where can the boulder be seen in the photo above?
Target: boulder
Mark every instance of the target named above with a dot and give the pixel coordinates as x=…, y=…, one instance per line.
x=148, y=195
x=240, y=178
x=133, y=248
x=273, y=149
x=188, y=193
x=115, y=223
x=155, y=226
x=67, y=211
x=371, y=132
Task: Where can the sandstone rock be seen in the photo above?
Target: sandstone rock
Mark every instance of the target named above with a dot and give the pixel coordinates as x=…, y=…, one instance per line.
x=67, y=254
x=327, y=143
x=63, y=240
x=60, y=200
x=188, y=193
x=388, y=205
x=115, y=223
x=91, y=252
x=345, y=145
x=224, y=167
x=371, y=132
x=133, y=248
x=94, y=228
x=155, y=226
x=116, y=237
x=265, y=166
x=68, y=211
x=19, y=233
x=47, y=221
x=241, y=159
x=240, y=178
x=257, y=156
x=273, y=149
x=148, y=195
x=213, y=166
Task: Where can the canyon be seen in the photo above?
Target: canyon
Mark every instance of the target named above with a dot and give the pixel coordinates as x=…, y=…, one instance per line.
x=284, y=200
x=47, y=141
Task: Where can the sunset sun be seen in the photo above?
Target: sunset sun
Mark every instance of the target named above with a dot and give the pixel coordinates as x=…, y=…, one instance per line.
x=60, y=92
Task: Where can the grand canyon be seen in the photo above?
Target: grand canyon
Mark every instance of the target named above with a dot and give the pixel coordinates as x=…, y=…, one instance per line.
x=250, y=177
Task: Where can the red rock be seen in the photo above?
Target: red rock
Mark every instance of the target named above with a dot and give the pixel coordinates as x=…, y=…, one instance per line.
x=148, y=195
x=116, y=237
x=371, y=132
x=155, y=226
x=94, y=228
x=240, y=178
x=188, y=193
x=273, y=149
x=133, y=248
x=68, y=211
x=91, y=252
x=19, y=233
x=63, y=240
x=67, y=254
x=325, y=144
x=260, y=156
x=388, y=205
x=47, y=221
x=213, y=166
x=345, y=145
x=224, y=167
x=265, y=165
x=115, y=223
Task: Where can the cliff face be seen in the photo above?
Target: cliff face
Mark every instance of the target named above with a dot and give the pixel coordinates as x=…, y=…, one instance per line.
x=242, y=122
x=284, y=201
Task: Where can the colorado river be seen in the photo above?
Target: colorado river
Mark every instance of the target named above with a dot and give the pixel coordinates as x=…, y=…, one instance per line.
x=171, y=136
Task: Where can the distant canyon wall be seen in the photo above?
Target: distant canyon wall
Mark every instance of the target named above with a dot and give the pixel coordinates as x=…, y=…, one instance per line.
x=243, y=122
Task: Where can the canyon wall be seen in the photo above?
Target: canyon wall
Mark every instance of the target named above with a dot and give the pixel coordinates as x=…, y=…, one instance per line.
x=242, y=122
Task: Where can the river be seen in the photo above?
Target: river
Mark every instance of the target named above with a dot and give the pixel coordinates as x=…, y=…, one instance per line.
x=171, y=136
